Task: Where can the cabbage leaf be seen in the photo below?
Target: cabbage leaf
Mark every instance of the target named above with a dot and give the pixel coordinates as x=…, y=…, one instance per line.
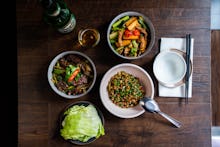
x=81, y=123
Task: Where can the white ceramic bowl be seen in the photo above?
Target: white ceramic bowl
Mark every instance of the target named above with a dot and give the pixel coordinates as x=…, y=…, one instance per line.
x=50, y=76
x=150, y=38
x=136, y=71
x=169, y=68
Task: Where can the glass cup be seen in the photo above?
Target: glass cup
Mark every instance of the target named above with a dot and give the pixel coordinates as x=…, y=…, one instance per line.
x=88, y=37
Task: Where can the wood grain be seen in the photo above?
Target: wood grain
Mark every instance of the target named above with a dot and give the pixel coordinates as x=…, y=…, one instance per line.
x=38, y=44
x=215, y=46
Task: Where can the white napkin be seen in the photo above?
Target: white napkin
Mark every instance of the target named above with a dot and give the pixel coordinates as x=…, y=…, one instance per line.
x=176, y=43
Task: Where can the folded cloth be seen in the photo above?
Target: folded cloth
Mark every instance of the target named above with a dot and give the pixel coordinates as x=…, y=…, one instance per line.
x=180, y=44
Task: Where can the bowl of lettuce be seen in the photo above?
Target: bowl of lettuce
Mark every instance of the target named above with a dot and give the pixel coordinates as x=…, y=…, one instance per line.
x=81, y=123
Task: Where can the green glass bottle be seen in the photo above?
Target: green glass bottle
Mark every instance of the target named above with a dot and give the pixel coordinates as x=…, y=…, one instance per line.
x=57, y=14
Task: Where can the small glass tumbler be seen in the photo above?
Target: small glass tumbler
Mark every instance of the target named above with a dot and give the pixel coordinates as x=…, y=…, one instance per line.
x=88, y=37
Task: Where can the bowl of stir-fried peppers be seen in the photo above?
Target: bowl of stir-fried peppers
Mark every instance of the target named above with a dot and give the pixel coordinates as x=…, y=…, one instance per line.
x=131, y=35
x=71, y=74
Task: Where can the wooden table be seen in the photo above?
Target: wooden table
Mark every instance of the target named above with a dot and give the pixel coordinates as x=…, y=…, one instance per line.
x=39, y=106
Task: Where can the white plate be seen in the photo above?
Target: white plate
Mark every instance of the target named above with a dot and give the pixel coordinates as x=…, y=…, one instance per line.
x=136, y=71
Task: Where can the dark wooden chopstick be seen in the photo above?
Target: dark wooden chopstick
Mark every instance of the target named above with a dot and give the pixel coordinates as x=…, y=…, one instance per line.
x=188, y=48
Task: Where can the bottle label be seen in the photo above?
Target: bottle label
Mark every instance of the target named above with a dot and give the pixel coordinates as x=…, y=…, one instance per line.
x=69, y=26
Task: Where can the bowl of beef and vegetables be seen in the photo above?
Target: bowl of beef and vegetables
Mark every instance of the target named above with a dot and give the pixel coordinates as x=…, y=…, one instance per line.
x=131, y=35
x=71, y=74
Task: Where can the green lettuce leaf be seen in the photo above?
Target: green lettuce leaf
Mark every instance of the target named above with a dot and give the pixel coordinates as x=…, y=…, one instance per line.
x=81, y=123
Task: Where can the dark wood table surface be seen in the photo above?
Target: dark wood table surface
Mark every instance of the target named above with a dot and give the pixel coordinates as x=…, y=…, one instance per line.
x=39, y=107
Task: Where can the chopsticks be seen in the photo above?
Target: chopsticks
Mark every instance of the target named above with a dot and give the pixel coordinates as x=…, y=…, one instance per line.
x=188, y=46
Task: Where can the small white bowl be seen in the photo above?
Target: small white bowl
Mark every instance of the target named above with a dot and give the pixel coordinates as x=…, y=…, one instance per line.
x=136, y=71
x=169, y=68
